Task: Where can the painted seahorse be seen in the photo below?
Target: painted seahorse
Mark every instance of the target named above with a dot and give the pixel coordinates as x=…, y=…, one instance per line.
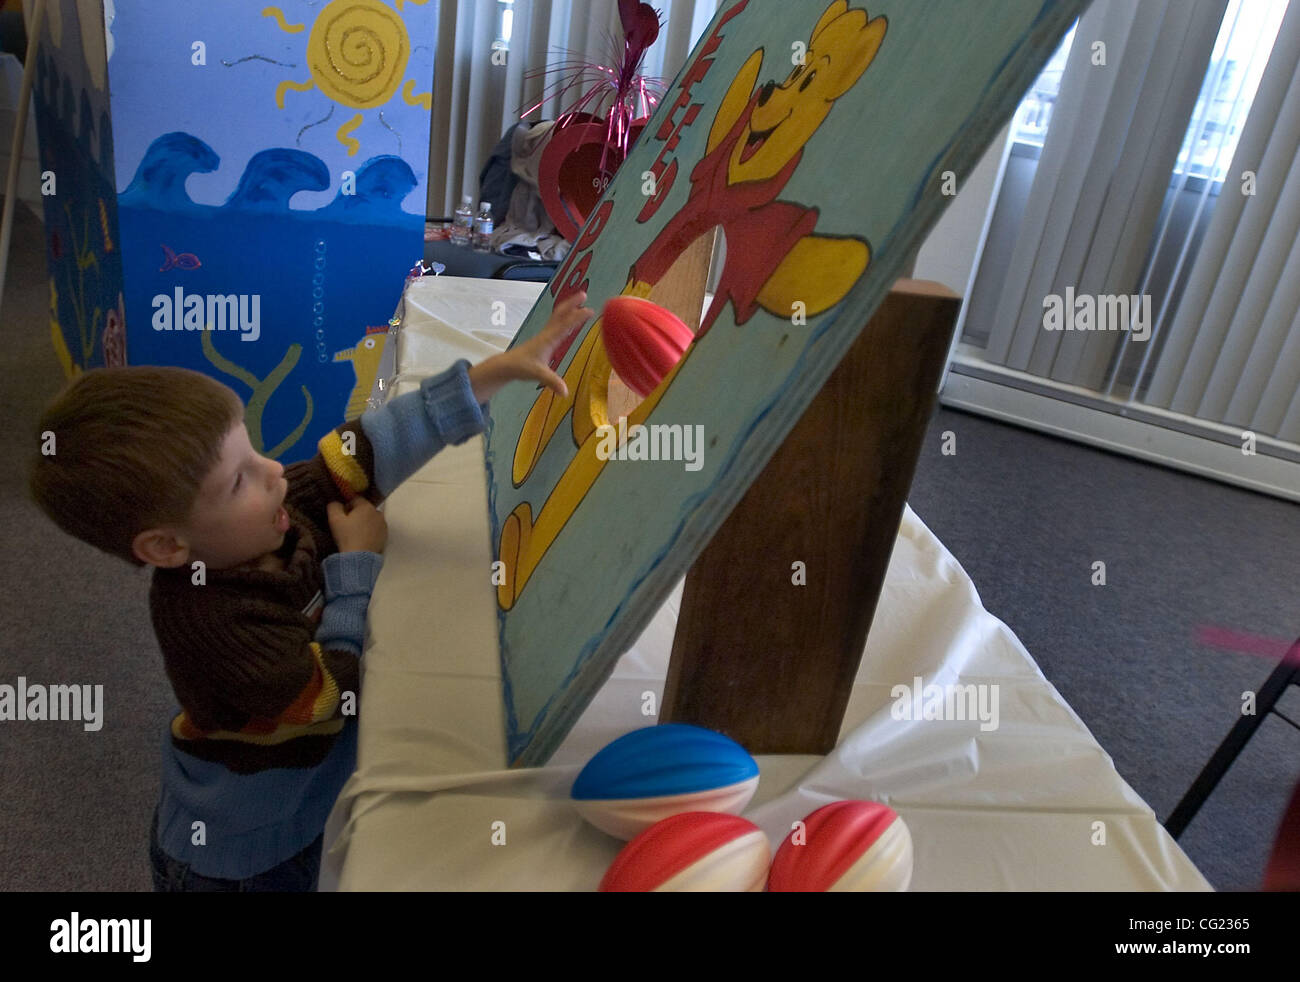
x=364, y=355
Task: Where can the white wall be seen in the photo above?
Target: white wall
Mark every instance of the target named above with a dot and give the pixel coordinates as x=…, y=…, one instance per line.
x=948, y=253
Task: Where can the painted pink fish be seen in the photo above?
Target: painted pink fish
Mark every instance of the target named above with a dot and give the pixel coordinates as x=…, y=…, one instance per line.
x=186, y=260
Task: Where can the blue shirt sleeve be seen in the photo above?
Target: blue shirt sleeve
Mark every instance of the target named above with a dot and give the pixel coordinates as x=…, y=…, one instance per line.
x=408, y=430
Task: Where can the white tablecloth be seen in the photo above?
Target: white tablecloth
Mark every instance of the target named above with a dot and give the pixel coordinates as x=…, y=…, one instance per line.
x=1034, y=804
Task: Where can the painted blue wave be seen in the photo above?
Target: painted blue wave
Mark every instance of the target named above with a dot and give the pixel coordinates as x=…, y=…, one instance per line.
x=270, y=179
x=159, y=181
x=382, y=183
x=274, y=176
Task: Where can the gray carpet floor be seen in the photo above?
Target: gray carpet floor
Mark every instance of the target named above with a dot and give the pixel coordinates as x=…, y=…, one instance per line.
x=1025, y=514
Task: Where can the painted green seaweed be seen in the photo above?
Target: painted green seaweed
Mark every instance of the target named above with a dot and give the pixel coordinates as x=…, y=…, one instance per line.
x=262, y=390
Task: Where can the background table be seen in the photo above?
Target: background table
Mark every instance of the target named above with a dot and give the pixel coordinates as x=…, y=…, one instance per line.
x=1035, y=804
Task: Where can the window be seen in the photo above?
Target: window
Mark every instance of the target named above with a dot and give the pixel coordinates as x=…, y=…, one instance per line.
x=505, y=22
x=1035, y=113
x=1240, y=54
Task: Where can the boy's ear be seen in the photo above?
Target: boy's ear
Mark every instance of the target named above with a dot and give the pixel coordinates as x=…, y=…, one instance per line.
x=160, y=547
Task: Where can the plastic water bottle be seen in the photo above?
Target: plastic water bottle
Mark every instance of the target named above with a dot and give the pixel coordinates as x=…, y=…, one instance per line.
x=463, y=228
x=483, y=227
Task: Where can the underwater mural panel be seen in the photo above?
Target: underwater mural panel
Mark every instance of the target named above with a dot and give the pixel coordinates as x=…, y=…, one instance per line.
x=268, y=175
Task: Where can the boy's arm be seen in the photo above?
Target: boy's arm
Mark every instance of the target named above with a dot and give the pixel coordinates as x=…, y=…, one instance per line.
x=374, y=454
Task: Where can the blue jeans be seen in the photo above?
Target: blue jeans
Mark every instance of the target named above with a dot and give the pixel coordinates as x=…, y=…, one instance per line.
x=298, y=874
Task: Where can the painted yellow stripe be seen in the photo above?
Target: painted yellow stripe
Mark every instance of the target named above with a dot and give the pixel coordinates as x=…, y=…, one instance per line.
x=345, y=136
x=285, y=26
x=289, y=83
x=343, y=465
x=424, y=100
x=327, y=702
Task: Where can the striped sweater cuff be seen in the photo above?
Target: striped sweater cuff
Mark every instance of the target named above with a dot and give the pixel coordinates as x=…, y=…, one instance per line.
x=349, y=470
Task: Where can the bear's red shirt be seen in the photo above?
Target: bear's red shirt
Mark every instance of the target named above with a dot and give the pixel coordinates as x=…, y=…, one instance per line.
x=760, y=231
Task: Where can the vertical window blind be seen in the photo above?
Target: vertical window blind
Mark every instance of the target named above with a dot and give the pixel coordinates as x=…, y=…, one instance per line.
x=1169, y=175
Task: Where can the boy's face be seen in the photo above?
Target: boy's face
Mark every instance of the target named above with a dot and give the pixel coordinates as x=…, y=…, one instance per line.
x=238, y=517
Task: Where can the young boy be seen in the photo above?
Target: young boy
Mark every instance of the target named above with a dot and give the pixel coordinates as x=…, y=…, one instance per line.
x=262, y=579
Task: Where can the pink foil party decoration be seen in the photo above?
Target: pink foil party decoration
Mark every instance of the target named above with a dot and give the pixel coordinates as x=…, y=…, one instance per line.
x=628, y=98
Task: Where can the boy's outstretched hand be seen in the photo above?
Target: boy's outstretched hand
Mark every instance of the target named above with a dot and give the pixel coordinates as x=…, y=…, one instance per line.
x=532, y=358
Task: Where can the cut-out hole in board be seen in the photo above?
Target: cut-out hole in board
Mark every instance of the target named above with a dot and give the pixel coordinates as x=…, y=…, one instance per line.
x=680, y=292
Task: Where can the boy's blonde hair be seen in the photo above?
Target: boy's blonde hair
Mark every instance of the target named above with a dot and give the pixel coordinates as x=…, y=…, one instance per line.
x=132, y=448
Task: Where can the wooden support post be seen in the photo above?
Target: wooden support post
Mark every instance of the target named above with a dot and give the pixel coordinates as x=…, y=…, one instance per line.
x=771, y=663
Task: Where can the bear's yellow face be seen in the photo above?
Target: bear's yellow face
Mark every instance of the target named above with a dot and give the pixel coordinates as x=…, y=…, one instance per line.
x=842, y=45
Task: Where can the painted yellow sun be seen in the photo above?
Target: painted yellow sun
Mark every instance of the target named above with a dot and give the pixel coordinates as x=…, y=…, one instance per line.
x=356, y=52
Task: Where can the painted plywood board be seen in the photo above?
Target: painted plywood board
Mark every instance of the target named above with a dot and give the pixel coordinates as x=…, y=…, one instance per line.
x=817, y=137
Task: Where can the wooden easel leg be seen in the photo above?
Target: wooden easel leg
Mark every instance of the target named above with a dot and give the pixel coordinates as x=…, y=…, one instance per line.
x=764, y=652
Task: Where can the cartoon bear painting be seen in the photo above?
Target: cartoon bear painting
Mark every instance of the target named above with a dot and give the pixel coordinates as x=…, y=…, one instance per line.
x=816, y=139
x=755, y=144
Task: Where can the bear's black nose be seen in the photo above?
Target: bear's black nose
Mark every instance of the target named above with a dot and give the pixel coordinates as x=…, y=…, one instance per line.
x=765, y=92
